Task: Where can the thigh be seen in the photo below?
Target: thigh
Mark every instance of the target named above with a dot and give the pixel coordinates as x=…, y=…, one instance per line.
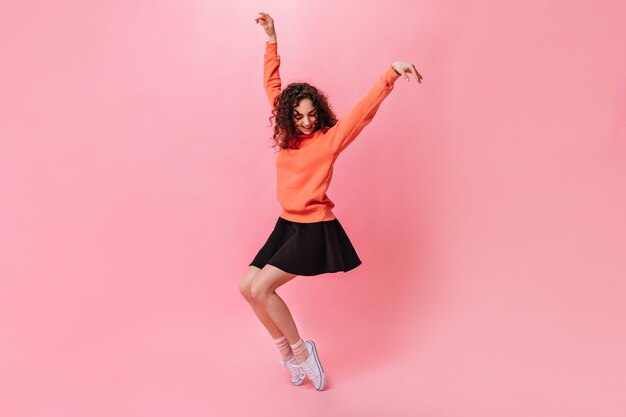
x=270, y=278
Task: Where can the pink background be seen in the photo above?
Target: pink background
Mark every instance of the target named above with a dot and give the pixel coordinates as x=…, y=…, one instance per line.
x=487, y=204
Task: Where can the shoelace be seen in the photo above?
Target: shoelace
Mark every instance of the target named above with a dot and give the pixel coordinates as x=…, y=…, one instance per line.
x=296, y=370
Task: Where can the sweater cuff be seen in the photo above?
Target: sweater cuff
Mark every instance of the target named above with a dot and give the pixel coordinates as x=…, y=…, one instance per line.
x=391, y=75
x=271, y=50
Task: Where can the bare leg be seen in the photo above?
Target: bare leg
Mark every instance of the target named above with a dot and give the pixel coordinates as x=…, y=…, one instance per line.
x=266, y=320
x=263, y=291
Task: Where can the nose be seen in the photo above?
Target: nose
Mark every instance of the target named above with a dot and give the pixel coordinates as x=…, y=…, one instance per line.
x=306, y=121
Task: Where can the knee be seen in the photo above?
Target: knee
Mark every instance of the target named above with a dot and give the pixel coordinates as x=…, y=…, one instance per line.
x=258, y=292
x=246, y=283
x=245, y=290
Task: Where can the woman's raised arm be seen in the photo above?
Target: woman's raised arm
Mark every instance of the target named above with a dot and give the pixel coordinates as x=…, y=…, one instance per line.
x=347, y=129
x=271, y=61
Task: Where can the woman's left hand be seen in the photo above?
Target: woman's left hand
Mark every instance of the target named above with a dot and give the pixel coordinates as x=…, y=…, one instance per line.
x=404, y=68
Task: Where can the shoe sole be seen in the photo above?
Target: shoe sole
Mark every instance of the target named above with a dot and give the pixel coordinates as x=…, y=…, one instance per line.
x=319, y=364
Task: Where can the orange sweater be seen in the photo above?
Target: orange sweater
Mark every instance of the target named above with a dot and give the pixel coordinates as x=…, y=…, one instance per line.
x=304, y=174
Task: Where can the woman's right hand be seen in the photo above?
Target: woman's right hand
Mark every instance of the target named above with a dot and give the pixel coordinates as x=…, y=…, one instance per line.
x=267, y=22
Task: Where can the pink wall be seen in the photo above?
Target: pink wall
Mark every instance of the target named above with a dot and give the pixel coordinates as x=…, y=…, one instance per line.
x=487, y=205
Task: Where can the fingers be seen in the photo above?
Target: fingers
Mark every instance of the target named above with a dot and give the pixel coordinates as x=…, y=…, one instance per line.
x=418, y=76
x=263, y=18
x=404, y=69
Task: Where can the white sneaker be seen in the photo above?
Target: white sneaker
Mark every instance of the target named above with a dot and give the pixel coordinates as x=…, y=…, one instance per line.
x=297, y=374
x=312, y=367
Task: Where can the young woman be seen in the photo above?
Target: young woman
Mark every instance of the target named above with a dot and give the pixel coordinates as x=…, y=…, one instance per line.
x=307, y=238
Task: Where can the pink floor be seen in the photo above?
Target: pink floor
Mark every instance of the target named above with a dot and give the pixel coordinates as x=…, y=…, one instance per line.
x=490, y=349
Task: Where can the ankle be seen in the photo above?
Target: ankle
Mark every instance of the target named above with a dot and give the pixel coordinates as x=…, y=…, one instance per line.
x=303, y=358
x=284, y=348
x=300, y=351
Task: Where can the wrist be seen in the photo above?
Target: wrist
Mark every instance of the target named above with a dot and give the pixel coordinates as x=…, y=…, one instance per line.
x=271, y=38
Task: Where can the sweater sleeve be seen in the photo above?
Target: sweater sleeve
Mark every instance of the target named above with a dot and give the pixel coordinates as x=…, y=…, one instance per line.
x=348, y=128
x=271, y=76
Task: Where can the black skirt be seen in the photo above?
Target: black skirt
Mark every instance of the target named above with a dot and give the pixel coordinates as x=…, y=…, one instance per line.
x=308, y=248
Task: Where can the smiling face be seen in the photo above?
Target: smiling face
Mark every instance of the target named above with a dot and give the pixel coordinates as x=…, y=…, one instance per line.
x=305, y=117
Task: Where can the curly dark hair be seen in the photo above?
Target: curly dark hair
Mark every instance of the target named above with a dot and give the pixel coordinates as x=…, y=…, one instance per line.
x=285, y=133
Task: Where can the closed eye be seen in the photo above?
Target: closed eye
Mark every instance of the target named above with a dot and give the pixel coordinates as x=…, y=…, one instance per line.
x=298, y=116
